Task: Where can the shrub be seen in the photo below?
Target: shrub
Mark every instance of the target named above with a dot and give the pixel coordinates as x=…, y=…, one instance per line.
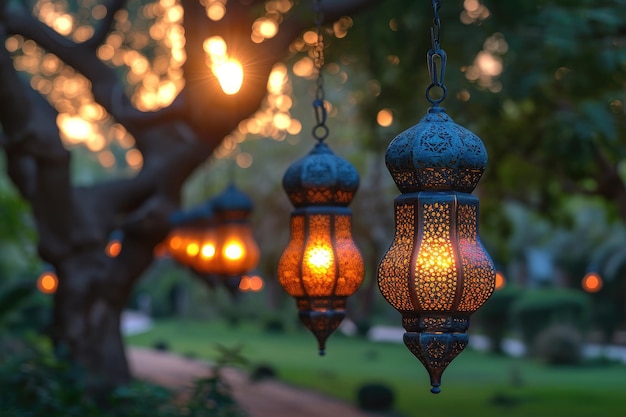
x=261, y=372
x=375, y=397
x=537, y=310
x=559, y=344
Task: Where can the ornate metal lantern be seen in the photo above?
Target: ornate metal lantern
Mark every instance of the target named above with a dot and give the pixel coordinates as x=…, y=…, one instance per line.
x=236, y=251
x=321, y=265
x=436, y=272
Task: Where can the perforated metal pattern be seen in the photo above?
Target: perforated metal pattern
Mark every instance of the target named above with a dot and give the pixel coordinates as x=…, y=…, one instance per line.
x=479, y=275
x=351, y=269
x=394, y=269
x=436, y=154
x=435, y=268
x=291, y=259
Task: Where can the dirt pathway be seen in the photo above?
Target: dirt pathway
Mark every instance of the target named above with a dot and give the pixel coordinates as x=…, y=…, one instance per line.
x=266, y=398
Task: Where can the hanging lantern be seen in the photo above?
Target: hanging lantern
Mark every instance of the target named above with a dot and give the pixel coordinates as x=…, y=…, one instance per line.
x=236, y=251
x=185, y=241
x=436, y=272
x=321, y=265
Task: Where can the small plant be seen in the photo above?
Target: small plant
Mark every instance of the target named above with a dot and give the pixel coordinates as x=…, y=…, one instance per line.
x=559, y=344
x=375, y=397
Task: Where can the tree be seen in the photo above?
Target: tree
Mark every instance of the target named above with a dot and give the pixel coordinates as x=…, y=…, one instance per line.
x=74, y=221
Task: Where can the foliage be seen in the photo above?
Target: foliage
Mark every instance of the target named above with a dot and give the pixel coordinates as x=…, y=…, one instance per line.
x=559, y=344
x=375, y=397
x=50, y=387
x=538, y=309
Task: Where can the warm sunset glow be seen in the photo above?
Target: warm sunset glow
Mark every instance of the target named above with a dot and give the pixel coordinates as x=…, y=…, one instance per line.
x=230, y=75
x=233, y=250
x=592, y=282
x=500, y=280
x=319, y=258
x=384, y=118
x=47, y=283
x=113, y=248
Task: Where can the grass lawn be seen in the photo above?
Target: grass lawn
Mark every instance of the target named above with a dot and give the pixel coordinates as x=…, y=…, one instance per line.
x=475, y=384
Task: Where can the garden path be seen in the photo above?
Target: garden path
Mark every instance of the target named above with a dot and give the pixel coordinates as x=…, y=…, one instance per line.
x=267, y=398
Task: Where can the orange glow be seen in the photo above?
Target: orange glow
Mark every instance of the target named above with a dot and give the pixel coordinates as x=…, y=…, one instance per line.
x=208, y=250
x=113, y=248
x=319, y=259
x=384, y=118
x=192, y=249
x=252, y=283
x=234, y=250
x=175, y=242
x=47, y=283
x=256, y=283
x=230, y=75
x=592, y=282
x=244, y=284
x=500, y=280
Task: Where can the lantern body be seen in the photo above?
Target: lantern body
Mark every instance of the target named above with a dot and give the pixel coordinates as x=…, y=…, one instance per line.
x=436, y=272
x=321, y=265
x=236, y=251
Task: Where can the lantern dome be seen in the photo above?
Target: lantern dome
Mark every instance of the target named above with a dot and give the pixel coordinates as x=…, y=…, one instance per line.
x=321, y=178
x=232, y=199
x=436, y=154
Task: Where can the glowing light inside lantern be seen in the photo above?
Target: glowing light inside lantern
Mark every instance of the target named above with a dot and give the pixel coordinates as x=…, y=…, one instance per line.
x=319, y=259
x=230, y=75
x=192, y=249
x=233, y=250
x=208, y=251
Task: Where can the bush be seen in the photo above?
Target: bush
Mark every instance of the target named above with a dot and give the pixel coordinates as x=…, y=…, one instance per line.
x=537, y=310
x=375, y=397
x=45, y=386
x=559, y=344
x=261, y=372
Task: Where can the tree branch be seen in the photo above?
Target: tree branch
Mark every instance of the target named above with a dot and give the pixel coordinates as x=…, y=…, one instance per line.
x=104, y=27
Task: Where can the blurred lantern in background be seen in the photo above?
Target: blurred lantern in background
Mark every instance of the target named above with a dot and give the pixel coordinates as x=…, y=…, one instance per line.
x=592, y=282
x=215, y=238
x=436, y=272
x=236, y=251
x=47, y=282
x=500, y=280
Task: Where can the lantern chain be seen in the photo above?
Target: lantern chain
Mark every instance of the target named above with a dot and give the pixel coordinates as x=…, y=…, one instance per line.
x=320, y=130
x=436, y=59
